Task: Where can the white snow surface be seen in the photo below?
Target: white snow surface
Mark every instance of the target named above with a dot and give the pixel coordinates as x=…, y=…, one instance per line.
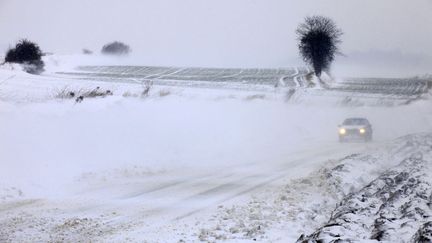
x=181, y=164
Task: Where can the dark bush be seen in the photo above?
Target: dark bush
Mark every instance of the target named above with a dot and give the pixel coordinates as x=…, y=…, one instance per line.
x=28, y=54
x=116, y=48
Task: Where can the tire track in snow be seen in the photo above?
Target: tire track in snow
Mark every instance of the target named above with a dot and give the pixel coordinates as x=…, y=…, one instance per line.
x=233, y=195
x=211, y=196
x=266, y=179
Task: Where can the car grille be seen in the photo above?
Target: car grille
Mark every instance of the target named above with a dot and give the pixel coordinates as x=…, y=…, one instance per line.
x=352, y=131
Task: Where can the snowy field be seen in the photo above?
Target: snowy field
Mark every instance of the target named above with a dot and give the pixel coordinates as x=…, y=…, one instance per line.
x=240, y=162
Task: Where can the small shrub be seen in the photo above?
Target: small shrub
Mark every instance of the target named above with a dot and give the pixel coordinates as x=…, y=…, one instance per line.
x=65, y=93
x=145, y=92
x=116, y=48
x=128, y=94
x=147, y=86
x=255, y=97
x=87, y=51
x=28, y=54
x=79, y=95
x=79, y=99
x=164, y=93
x=97, y=92
x=290, y=94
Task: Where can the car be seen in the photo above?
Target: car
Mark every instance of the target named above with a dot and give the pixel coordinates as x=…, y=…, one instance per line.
x=355, y=129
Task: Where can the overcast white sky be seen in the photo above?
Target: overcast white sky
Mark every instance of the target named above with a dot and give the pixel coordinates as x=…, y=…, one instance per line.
x=220, y=32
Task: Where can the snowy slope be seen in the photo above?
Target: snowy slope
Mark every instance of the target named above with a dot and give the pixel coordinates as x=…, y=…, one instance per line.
x=381, y=194
x=394, y=207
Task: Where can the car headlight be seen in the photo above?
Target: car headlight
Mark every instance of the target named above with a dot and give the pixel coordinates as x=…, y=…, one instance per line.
x=342, y=131
x=362, y=130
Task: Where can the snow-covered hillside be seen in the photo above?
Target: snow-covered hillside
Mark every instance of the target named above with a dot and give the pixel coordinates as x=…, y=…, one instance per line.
x=196, y=161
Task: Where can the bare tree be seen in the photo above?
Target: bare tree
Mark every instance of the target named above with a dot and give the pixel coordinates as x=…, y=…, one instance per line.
x=319, y=40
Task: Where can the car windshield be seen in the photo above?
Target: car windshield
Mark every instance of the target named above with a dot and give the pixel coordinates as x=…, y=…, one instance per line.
x=355, y=121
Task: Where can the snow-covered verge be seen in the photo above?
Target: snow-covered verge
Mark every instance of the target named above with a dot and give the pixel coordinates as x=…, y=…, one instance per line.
x=395, y=207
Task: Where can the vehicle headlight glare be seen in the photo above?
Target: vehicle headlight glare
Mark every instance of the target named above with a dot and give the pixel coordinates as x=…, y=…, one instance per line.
x=362, y=130
x=342, y=131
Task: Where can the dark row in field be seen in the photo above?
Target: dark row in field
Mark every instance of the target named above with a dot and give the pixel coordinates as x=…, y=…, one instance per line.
x=254, y=76
x=394, y=86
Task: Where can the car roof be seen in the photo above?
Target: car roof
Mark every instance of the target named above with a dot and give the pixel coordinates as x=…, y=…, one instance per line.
x=356, y=120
